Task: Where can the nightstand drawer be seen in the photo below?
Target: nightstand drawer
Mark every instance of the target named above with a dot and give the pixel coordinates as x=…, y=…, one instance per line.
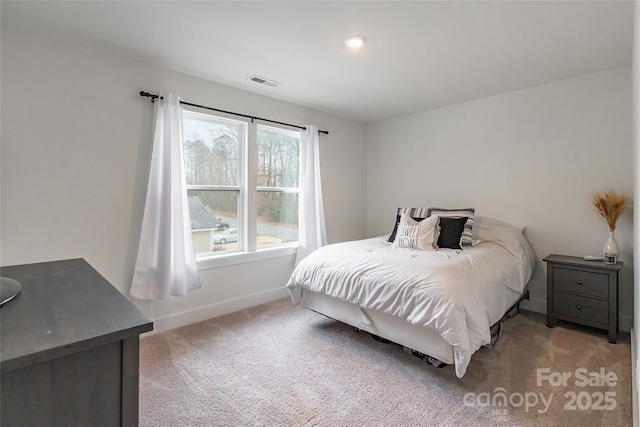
x=582, y=282
x=593, y=310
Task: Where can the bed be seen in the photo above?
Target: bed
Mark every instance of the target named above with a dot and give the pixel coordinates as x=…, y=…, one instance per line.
x=438, y=301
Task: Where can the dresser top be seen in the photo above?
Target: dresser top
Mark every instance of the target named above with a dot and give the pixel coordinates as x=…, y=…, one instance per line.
x=581, y=262
x=64, y=306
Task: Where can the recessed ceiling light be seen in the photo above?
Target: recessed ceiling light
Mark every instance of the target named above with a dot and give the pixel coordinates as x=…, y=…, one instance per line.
x=355, y=41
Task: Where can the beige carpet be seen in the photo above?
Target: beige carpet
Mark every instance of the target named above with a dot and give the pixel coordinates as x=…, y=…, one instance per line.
x=282, y=365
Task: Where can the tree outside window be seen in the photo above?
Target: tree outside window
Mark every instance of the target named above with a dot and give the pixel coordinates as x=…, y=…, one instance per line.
x=222, y=198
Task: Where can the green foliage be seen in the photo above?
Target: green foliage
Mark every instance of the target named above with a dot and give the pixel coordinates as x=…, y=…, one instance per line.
x=212, y=152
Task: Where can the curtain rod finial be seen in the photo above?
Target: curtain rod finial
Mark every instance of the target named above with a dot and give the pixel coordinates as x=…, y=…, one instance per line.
x=149, y=95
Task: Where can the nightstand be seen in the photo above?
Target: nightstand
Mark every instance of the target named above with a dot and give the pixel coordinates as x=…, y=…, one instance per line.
x=583, y=292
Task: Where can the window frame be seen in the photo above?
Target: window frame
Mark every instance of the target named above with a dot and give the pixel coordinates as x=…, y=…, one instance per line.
x=247, y=249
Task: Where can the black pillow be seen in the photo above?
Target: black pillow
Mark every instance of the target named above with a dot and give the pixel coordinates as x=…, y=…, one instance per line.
x=450, y=232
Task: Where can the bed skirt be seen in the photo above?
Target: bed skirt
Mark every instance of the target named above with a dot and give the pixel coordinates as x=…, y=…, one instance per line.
x=421, y=342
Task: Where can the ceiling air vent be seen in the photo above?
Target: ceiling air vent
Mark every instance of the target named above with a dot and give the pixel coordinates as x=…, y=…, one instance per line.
x=263, y=81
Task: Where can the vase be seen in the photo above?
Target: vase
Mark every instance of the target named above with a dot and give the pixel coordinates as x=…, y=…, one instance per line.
x=611, y=250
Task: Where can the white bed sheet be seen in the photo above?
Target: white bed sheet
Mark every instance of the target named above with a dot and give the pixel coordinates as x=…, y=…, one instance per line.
x=457, y=293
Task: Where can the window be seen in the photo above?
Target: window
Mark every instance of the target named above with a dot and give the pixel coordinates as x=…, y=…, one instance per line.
x=242, y=183
x=277, y=186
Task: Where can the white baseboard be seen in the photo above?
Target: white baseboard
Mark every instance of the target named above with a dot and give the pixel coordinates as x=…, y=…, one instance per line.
x=205, y=313
x=536, y=305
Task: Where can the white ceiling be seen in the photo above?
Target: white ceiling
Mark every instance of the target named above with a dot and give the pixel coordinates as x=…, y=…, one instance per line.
x=419, y=55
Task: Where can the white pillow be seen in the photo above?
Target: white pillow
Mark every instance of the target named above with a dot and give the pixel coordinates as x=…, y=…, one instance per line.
x=420, y=235
x=482, y=231
x=506, y=235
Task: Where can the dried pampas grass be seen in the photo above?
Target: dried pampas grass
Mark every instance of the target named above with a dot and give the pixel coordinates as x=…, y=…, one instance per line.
x=610, y=205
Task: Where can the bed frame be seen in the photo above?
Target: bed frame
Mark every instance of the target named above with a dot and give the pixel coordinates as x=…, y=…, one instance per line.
x=424, y=343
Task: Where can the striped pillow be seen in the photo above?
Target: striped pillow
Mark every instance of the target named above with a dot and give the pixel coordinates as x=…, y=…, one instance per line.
x=467, y=234
x=415, y=213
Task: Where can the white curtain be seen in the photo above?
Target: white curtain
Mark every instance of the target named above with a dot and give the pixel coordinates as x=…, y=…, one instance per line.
x=166, y=264
x=312, y=231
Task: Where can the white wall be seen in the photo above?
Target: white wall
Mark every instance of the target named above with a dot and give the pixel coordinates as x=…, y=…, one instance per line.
x=532, y=157
x=76, y=144
x=76, y=141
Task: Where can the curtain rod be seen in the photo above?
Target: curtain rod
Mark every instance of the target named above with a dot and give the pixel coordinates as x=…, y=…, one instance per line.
x=154, y=97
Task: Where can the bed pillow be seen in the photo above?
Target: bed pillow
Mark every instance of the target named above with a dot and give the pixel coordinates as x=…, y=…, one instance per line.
x=415, y=213
x=422, y=234
x=467, y=234
x=451, y=230
x=508, y=236
x=483, y=222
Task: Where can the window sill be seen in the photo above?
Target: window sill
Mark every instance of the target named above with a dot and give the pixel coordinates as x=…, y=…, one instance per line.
x=244, y=257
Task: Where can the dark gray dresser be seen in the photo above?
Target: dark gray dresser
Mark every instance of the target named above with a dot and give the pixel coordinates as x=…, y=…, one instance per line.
x=584, y=292
x=69, y=349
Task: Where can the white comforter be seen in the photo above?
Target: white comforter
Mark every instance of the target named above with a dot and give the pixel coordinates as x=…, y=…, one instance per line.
x=458, y=293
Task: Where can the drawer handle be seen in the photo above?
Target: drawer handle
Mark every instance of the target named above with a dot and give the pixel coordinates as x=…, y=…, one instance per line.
x=578, y=282
x=579, y=306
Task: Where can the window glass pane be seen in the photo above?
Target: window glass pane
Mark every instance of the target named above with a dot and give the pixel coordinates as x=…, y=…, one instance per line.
x=277, y=218
x=278, y=158
x=214, y=220
x=211, y=150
